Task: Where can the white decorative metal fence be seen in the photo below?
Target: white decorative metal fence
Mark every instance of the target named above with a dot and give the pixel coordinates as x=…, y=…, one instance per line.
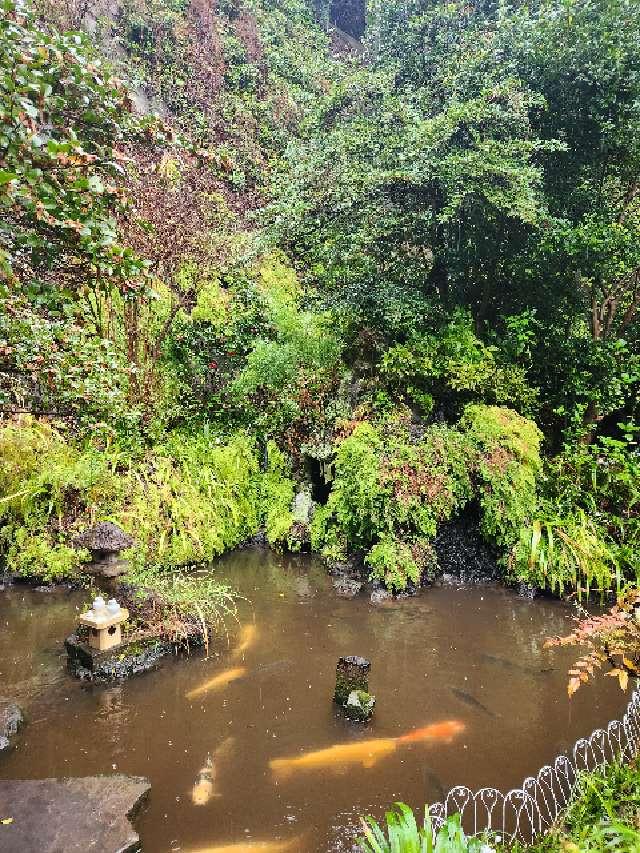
x=526, y=812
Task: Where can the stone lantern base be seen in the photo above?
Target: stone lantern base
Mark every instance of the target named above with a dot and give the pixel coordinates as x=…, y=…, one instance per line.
x=113, y=664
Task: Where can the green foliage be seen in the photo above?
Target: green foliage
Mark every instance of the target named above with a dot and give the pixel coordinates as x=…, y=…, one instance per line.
x=507, y=466
x=44, y=484
x=389, y=497
x=588, y=532
x=184, y=502
x=603, y=816
x=393, y=563
x=403, y=835
x=277, y=493
x=454, y=366
x=62, y=366
x=61, y=119
x=299, y=342
x=184, y=603
x=566, y=553
x=191, y=500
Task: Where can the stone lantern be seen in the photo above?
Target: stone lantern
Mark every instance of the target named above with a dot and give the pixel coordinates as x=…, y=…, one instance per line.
x=104, y=621
x=105, y=540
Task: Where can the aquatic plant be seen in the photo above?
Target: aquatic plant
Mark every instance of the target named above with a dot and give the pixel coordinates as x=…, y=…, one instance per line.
x=181, y=605
x=403, y=835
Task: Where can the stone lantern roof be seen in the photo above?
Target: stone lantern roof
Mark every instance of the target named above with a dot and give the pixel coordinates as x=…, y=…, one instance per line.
x=104, y=537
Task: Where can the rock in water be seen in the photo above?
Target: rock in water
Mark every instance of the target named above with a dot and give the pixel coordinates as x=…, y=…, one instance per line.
x=352, y=673
x=116, y=663
x=11, y=719
x=380, y=595
x=347, y=587
x=71, y=815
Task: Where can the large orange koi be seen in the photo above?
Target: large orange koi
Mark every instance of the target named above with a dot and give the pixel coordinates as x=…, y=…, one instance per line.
x=366, y=752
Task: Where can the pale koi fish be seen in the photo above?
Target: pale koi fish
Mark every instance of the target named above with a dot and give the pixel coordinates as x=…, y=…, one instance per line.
x=248, y=637
x=205, y=785
x=220, y=680
x=367, y=752
x=253, y=847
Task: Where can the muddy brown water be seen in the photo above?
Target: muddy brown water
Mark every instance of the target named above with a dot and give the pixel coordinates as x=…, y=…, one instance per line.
x=473, y=655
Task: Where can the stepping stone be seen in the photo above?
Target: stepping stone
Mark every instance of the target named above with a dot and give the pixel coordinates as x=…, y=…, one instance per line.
x=70, y=815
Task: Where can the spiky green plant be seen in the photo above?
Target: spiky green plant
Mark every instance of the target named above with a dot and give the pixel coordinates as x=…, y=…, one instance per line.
x=403, y=835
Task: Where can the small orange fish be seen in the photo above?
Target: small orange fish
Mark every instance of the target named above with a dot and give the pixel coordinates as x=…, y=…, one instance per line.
x=366, y=752
x=220, y=680
x=247, y=639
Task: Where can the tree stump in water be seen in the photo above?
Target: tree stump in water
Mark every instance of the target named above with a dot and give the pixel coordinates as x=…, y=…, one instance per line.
x=352, y=673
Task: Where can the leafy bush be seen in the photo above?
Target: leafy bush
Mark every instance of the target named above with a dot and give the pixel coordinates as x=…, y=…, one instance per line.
x=506, y=469
x=191, y=500
x=277, y=493
x=389, y=497
x=58, y=191
x=299, y=343
x=184, y=502
x=604, y=815
x=453, y=366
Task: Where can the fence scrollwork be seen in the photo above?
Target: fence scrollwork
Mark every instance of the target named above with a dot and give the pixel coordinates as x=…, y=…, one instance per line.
x=524, y=813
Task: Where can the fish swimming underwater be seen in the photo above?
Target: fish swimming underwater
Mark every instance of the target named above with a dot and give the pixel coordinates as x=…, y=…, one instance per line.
x=366, y=752
x=205, y=785
x=248, y=637
x=470, y=700
x=219, y=680
x=505, y=663
x=253, y=847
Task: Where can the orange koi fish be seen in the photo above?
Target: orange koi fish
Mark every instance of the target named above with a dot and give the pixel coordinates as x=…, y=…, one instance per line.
x=253, y=847
x=366, y=752
x=220, y=680
x=248, y=637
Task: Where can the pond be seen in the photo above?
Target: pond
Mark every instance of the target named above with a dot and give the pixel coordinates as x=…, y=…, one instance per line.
x=470, y=655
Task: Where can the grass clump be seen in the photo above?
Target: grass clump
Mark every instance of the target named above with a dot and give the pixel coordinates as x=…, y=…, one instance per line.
x=183, y=606
x=403, y=835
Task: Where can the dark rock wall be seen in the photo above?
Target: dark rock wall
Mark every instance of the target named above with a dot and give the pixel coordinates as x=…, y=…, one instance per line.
x=349, y=16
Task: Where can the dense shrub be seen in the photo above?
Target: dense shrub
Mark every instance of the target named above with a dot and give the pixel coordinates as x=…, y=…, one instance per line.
x=184, y=502
x=389, y=496
x=452, y=366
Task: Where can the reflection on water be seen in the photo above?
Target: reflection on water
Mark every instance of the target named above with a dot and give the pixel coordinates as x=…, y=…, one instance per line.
x=210, y=743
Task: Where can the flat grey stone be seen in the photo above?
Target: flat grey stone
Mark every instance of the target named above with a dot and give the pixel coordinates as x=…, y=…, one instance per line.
x=71, y=815
x=11, y=719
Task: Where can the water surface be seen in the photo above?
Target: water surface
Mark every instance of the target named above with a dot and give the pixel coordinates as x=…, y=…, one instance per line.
x=474, y=655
